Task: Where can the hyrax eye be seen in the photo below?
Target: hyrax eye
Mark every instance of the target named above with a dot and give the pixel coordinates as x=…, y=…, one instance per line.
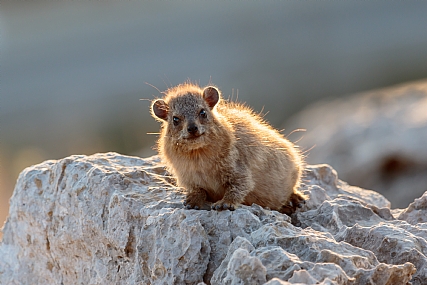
x=203, y=113
x=176, y=120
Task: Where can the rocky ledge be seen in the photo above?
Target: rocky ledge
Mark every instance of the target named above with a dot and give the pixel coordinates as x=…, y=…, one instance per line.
x=113, y=219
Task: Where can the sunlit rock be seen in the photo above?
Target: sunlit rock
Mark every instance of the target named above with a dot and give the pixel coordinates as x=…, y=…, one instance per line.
x=114, y=219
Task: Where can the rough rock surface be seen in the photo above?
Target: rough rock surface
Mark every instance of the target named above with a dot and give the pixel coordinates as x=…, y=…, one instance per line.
x=375, y=140
x=113, y=219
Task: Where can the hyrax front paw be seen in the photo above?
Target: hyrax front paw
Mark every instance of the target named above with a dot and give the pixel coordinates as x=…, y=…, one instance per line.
x=191, y=205
x=195, y=200
x=224, y=205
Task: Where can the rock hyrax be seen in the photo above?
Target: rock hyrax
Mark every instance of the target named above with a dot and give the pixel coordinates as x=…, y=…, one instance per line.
x=222, y=152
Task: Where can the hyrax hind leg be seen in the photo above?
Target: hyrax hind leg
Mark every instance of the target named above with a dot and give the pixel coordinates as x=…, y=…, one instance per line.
x=296, y=200
x=195, y=199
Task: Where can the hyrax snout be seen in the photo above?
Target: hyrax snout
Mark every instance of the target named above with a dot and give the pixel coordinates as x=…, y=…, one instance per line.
x=224, y=153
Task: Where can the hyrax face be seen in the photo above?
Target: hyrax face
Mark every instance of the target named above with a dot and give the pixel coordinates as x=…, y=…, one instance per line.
x=188, y=115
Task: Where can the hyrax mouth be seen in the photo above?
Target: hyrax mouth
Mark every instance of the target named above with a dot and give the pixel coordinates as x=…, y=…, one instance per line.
x=192, y=137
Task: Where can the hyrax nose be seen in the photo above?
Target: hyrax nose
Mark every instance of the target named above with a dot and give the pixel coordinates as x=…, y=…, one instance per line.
x=192, y=129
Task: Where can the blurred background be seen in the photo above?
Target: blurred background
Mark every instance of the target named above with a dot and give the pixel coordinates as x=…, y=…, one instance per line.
x=73, y=72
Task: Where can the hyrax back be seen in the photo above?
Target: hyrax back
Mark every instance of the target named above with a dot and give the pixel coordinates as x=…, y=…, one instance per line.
x=224, y=153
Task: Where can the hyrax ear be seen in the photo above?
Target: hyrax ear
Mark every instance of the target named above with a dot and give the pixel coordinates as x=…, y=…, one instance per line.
x=211, y=96
x=160, y=109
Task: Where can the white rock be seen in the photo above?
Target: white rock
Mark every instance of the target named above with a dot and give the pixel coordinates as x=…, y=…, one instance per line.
x=245, y=269
x=113, y=219
x=391, y=244
x=416, y=211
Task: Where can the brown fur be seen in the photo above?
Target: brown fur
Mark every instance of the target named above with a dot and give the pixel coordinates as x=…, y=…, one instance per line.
x=225, y=154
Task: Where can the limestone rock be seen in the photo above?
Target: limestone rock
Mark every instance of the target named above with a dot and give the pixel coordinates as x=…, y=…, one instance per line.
x=114, y=219
x=377, y=140
x=392, y=245
x=416, y=211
